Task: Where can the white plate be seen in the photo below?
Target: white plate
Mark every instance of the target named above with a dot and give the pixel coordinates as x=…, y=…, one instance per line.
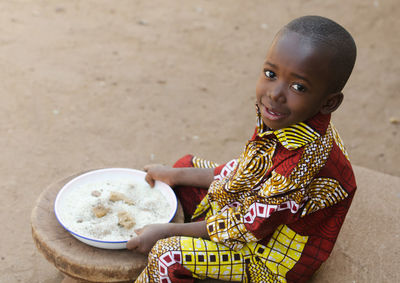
x=108, y=174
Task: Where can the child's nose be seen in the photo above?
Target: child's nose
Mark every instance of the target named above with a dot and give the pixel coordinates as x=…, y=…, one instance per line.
x=277, y=93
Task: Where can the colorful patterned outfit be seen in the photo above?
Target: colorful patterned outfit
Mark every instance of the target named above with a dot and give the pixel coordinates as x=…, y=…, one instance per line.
x=273, y=214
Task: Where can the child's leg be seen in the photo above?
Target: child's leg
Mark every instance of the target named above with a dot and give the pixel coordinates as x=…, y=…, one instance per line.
x=190, y=197
x=181, y=259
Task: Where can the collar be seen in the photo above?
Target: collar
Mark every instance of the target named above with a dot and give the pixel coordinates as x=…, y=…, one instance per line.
x=297, y=135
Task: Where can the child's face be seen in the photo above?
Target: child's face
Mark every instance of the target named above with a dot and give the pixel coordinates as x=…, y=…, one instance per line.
x=294, y=81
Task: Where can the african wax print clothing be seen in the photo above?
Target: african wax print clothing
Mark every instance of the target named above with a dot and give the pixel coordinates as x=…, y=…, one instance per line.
x=273, y=214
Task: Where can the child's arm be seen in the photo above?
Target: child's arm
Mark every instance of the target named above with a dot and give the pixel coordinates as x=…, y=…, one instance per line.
x=150, y=234
x=197, y=177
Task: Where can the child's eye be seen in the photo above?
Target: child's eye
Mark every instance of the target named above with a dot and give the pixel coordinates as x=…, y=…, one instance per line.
x=299, y=87
x=269, y=74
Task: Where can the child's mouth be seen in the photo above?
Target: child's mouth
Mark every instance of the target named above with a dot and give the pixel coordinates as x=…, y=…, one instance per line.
x=273, y=114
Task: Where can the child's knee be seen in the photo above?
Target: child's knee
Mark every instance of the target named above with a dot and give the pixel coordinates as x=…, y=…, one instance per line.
x=163, y=246
x=157, y=247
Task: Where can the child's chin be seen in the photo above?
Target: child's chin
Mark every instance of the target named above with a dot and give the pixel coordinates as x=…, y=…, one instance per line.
x=272, y=126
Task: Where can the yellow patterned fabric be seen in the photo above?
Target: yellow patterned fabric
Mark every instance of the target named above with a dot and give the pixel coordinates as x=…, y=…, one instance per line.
x=228, y=227
x=272, y=215
x=292, y=137
x=323, y=192
x=209, y=259
x=202, y=163
x=246, y=185
x=259, y=188
x=271, y=263
x=156, y=270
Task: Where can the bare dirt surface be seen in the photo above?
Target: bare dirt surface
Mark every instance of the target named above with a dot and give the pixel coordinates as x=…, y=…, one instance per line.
x=90, y=84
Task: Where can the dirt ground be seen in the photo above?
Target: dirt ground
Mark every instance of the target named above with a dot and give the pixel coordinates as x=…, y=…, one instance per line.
x=90, y=84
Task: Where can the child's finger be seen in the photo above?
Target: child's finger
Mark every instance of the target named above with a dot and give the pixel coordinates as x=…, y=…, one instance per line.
x=147, y=167
x=149, y=180
x=138, y=231
x=133, y=243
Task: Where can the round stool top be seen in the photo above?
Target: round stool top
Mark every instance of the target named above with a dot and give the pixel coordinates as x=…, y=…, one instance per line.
x=74, y=258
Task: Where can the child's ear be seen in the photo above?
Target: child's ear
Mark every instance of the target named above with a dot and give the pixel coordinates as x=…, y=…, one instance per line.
x=332, y=102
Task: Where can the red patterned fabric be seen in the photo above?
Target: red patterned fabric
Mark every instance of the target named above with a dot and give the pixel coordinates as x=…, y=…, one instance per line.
x=314, y=208
x=189, y=197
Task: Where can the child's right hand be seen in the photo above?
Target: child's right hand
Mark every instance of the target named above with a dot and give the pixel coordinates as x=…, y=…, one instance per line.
x=147, y=236
x=159, y=172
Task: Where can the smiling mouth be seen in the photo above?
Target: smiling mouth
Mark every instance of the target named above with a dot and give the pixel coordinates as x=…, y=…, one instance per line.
x=273, y=114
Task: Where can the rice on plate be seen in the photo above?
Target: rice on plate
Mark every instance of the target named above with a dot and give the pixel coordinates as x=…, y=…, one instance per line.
x=103, y=207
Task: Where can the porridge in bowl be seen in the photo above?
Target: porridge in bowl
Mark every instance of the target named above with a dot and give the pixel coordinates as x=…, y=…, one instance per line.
x=110, y=209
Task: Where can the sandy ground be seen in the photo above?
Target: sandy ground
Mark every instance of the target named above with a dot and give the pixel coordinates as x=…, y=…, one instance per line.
x=90, y=84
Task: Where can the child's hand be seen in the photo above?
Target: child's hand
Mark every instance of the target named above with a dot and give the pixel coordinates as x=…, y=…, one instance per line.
x=147, y=237
x=159, y=172
x=150, y=234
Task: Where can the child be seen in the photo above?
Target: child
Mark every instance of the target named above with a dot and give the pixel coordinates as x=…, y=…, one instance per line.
x=273, y=214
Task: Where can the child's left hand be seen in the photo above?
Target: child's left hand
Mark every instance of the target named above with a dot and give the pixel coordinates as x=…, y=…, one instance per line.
x=147, y=237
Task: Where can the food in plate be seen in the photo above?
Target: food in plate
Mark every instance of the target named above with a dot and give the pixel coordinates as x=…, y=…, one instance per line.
x=110, y=210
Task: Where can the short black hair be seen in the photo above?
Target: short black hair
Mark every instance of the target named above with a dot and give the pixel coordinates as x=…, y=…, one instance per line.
x=323, y=31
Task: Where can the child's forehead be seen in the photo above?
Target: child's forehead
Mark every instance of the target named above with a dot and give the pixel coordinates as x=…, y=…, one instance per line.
x=291, y=47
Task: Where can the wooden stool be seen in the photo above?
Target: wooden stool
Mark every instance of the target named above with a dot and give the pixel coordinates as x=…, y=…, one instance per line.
x=74, y=258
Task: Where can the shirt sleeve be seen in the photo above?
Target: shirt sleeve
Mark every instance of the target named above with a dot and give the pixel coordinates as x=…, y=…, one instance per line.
x=224, y=170
x=235, y=226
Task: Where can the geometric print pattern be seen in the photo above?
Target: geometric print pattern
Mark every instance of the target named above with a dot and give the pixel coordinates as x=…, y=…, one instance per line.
x=157, y=271
x=206, y=258
x=202, y=163
x=227, y=169
x=240, y=181
x=235, y=200
x=296, y=136
x=259, y=273
x=219, y=198
x=277, y=185
x=323, y=192
x=252, y=166
x=278, y=257
x=291, y=137
x=165, y=261
x=262, y=210
x=227, y=225
x=312, y=160
x=251, y=193
x=257, y=197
